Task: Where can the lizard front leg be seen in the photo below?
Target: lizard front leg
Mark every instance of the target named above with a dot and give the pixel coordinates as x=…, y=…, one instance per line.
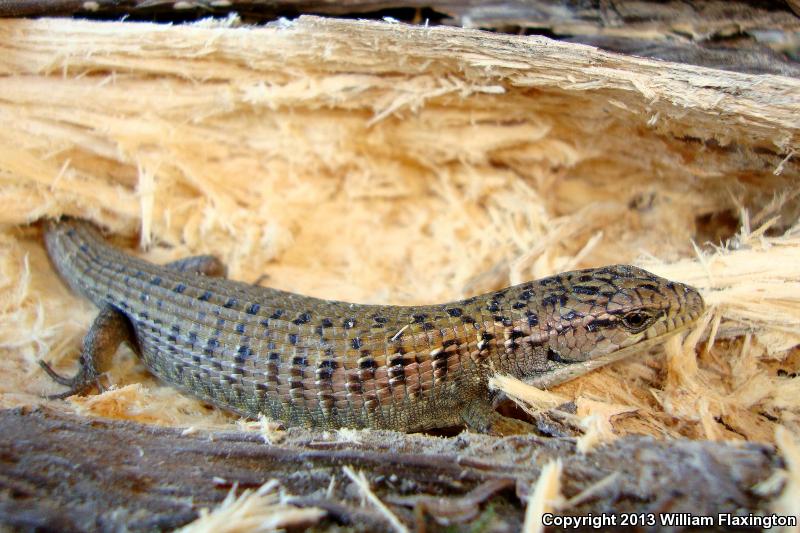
x=479, y=416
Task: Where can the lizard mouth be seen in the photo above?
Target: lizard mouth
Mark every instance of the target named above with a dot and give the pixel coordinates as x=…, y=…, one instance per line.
x=565, y=372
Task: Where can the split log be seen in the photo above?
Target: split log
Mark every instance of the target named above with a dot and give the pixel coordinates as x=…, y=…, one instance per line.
x=745, y=35
x=68, y=473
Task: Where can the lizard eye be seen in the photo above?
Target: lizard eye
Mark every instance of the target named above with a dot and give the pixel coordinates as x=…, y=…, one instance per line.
x=637, y=321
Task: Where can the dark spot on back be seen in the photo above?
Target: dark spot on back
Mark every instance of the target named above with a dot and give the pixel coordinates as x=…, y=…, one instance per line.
x=526, y=295
x=533, y=320
x=455, y=312
x=277, y=314
x=427, y=326
x=300, y=361
x=230, y=303
x=328, y=363
x=349, y=323
x=503, y=320
x=419, y=318
x=206, y=296
x=440, y=355
x=585, y=277
x=493, y=306
x=356, y=343
x=324, y=374
x=649, y=286
x=487, y=336
x=584, y=289
x=380, y=319
x=239, y=328
x=553, y=299
x=302, y=319
x=519, y=305
x=368, y=363
x=326, y=323
x=179, y=288
x=571, y=315
x=156, y=281
x=293, y=339
x=252, y=309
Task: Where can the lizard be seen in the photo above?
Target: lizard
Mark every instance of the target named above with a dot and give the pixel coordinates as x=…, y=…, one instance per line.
x=326, y=364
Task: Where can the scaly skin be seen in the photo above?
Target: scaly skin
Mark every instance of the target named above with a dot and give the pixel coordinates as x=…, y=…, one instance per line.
x=329, y=364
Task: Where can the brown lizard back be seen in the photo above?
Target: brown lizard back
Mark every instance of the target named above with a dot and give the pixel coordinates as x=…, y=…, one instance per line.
x=330, y=364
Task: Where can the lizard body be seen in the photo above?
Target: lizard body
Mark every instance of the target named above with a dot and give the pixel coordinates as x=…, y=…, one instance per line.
x=330, y=364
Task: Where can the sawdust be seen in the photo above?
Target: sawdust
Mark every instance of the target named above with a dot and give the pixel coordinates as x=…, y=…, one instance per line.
x=254, y=511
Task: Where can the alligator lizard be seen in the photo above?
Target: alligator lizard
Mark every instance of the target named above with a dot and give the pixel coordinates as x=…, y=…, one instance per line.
x=329, y=364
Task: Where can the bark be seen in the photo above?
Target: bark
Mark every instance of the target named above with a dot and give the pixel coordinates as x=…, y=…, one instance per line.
x=63, y=472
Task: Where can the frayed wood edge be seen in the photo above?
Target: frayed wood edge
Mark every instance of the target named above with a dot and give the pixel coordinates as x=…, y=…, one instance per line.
x=528, y=397
x=366, y=493
x=271, y=431
x=260, y=510
x=597, y=425
x=789, y=448
x=546, y=497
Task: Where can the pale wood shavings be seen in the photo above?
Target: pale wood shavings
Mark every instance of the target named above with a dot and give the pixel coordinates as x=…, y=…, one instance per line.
x=366, y=494
x=149, y=406
x=271, y=431
x=596, y=418
x=789, y=448
x=254, y=511
x=530, y=398
x=545, y=497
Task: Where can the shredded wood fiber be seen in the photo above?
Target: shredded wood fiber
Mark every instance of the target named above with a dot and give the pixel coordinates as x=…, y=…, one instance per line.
x=378, y=162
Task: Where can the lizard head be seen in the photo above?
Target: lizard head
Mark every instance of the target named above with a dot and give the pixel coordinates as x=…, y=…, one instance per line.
x=605, y=314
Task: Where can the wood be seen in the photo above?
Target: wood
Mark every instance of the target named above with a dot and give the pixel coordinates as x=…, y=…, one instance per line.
x=128, y=475
x=744, y=35
x=738, y=132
